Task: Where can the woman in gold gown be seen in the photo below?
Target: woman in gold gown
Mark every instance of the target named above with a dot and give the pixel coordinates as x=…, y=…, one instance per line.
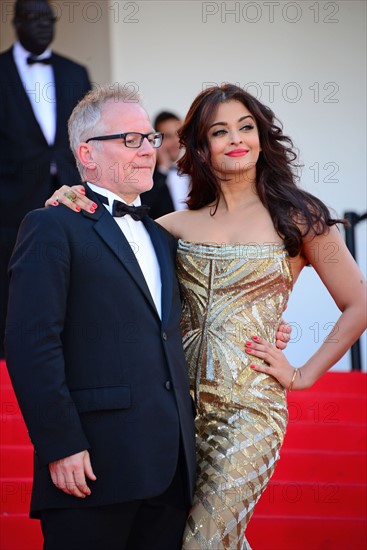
x=242, y=244
x=248, y=233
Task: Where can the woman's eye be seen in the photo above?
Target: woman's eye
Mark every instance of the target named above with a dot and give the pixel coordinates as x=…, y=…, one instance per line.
x=247, y=127
x=219, y=133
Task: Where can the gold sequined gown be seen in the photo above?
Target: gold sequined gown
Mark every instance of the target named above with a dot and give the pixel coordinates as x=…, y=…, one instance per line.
x=231, y=292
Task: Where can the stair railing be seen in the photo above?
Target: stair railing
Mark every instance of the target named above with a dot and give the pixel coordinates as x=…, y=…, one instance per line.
x=350, y=240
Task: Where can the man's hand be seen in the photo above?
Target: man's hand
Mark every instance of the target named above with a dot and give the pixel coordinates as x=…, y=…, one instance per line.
x=69, y=473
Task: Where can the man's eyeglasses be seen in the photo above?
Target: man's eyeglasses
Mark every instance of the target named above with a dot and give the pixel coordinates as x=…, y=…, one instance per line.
x=133, y=140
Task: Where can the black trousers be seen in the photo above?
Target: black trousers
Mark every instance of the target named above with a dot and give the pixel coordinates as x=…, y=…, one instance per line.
x=151, y=524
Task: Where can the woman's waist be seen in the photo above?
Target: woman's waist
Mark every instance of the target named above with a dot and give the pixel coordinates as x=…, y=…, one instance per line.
x=255, y=405
x=251, y=387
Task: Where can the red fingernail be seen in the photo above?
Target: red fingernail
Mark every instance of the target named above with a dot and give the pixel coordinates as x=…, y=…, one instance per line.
x=77, y=208
x=94, y=205
x=55, y=203
x=248, y=343
x=252, y=366
x=92, y=210
x=82, y=191
x=255, y=337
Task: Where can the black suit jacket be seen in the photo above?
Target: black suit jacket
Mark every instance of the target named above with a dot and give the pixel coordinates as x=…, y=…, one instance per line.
x=92, y=364
x=25, y=156
x=158, y=198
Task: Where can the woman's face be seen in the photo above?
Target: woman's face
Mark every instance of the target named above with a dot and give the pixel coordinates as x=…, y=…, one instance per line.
x=234, y=141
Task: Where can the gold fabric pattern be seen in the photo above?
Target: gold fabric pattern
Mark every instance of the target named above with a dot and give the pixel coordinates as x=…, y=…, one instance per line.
x=230, y=293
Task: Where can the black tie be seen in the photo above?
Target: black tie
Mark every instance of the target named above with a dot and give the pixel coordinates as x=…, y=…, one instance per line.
x=31, y=60
x=119, y=209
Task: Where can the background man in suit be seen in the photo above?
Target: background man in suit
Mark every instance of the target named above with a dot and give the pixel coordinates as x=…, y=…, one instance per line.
x=169, y=190
x=38, y=91
x=94, y=349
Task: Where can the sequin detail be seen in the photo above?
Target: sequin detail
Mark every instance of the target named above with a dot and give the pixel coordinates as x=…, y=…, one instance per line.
x=230, y=293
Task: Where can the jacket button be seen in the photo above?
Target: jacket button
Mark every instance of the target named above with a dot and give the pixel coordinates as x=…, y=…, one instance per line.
x=167, y=385
x=164, y=336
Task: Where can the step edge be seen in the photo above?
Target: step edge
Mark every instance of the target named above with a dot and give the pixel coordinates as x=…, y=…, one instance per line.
x=307, y=483
x=309, y=518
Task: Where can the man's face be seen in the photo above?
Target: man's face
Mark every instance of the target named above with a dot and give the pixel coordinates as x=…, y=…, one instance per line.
x=171, y=144
x=35, y=26
x=128, y=172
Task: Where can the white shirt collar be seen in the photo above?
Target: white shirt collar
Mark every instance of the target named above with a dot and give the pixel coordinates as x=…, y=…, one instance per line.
x=21, y=54
x=110, y=196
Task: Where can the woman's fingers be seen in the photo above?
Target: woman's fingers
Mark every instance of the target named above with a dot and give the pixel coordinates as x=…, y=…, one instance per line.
x=72, y=197
x=283, y=335
x=275, y=362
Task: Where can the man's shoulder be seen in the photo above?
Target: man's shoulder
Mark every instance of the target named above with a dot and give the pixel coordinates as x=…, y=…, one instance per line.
x=52, y=215
x=6, y=56
x=67, y=62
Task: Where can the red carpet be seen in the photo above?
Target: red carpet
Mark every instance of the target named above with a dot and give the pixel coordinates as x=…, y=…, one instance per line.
x=317, y=497
x=316, y=500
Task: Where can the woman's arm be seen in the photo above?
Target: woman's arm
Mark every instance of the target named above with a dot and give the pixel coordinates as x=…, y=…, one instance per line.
x=342, y=277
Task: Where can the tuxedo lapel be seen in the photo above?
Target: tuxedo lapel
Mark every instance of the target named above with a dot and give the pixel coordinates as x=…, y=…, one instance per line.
x=165, y=263
x=20, y=97
x=111, y=234
x=64, y=93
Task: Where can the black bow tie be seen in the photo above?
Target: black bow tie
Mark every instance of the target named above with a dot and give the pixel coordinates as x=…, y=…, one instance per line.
x=137, y=213
x=31, y=60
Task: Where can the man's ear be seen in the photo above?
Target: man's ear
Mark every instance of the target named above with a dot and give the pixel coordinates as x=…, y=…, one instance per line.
x=85, y=153
x=85, y=156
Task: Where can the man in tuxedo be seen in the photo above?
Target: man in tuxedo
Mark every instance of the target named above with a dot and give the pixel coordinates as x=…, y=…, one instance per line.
x=94, y=350
x=170, y=190
x=38, y=91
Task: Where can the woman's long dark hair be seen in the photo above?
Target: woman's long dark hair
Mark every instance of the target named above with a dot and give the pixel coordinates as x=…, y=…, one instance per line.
x=276, y=167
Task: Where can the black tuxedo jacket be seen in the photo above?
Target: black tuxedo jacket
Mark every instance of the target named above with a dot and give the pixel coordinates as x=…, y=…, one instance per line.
x=158, y=198
x=25, y=156
x=92, y=364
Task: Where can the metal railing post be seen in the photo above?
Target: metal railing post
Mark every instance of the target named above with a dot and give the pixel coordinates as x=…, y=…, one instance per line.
x=350, y=240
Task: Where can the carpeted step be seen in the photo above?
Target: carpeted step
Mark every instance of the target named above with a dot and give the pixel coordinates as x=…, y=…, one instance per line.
x=344, y=436
x=16, y=461
x=327, y=408
x=18, y=532
x=319, y=498
x=15, y=495
x=311, y=465
x=307, y=533
x=14, y=431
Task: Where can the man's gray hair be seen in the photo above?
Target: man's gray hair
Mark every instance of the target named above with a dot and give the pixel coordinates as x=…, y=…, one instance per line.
x=84, y=120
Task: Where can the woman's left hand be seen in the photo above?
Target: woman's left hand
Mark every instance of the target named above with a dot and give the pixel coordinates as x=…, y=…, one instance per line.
x=277, y=363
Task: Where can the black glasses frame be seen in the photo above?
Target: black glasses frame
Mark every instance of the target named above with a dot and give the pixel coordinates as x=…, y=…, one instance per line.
x=123, y=136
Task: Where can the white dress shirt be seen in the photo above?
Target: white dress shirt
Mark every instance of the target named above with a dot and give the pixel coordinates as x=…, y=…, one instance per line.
x=39, y=83
x=139, y=240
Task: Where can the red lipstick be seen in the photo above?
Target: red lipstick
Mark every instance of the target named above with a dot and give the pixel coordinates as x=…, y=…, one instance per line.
x=237, y=153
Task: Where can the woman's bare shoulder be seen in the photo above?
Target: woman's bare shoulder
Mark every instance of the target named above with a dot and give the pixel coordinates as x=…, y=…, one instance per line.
x=175, y=222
